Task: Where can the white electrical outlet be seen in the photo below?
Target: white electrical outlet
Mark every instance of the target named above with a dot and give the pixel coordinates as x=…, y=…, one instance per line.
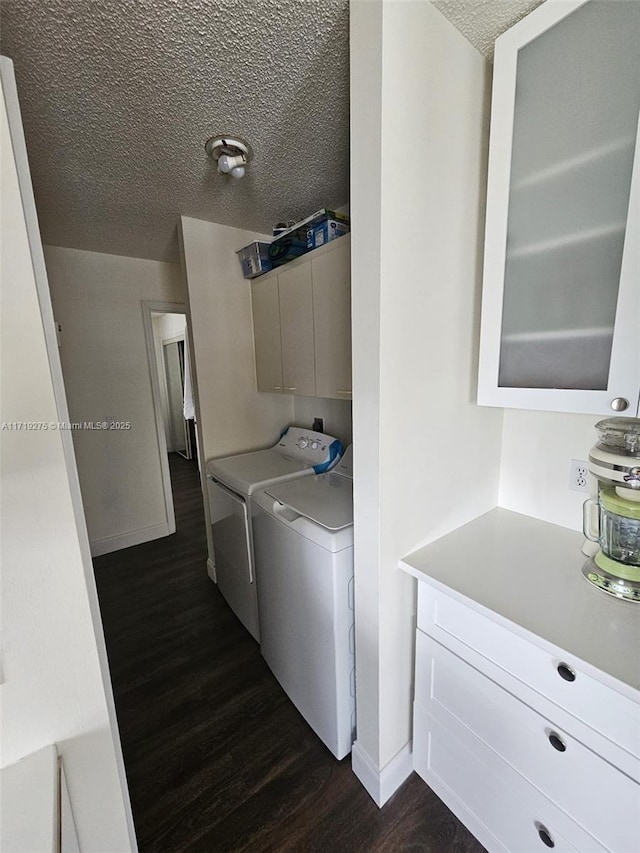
x=579, y=476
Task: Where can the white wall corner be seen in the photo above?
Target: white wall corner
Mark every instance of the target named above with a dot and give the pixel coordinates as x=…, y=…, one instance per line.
x=382, y=784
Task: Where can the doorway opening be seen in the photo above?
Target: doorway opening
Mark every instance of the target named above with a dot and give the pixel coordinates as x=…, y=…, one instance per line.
x=173, y=392
x=179, y=431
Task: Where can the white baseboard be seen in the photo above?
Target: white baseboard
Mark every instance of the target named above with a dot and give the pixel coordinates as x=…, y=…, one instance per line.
x=211, y=570
x=132, y=537
x=381, y=784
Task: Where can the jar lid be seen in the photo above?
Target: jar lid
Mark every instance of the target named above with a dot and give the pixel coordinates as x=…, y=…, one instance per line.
x=620, y=435
x=613, y=502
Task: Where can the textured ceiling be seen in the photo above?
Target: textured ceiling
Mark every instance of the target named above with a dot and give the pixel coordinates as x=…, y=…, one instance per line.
x=482, y=21
x=119, y=96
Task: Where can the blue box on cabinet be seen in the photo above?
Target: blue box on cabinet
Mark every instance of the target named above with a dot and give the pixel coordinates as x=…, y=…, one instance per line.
x=314, y=231
x=330, y=226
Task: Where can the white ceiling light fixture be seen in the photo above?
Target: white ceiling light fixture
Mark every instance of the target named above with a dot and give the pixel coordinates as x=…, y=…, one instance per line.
x=230, y=152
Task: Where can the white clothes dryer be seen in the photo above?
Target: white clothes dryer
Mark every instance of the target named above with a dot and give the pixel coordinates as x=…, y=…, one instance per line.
x=231, y=481
x=303, y=545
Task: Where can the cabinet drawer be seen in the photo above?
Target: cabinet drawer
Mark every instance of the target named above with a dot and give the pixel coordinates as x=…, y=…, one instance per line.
x=503, y=811
x=571, y=775
x=523, y=668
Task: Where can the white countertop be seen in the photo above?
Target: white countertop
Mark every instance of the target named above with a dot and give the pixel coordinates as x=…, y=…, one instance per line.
x=528, y=572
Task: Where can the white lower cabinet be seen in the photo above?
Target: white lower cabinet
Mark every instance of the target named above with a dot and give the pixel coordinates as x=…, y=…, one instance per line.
x=498, y=806
x=500, y=738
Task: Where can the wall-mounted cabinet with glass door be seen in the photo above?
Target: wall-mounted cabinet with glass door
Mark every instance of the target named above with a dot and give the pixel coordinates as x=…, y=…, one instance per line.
x=561, y=292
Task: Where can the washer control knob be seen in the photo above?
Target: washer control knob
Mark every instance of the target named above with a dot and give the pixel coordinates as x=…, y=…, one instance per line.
x=619, y=404
x=302, y=442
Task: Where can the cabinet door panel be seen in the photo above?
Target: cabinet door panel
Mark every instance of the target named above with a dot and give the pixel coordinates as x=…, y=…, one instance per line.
x=266, y=331
x=453, y=692
x=502, y=809
x=560, y=303
x=296, y=319
x=332, y=321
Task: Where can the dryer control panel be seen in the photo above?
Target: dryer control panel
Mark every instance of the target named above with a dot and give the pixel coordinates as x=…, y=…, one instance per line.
x=317, y=449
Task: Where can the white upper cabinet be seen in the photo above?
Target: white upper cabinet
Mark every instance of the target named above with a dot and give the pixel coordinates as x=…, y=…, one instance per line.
x=266, y=332
x=296, y=330
x=302, y=324
x=561, y=296
x=332, y=321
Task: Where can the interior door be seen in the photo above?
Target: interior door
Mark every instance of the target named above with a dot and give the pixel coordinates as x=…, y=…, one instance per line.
x=174, y=373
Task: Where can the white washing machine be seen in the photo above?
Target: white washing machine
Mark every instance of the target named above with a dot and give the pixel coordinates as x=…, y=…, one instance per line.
x=231, y=482
x=303, y=546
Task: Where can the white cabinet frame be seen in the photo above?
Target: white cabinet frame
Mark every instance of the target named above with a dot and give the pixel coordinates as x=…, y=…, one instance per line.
x=624, y=373
x=302, y=324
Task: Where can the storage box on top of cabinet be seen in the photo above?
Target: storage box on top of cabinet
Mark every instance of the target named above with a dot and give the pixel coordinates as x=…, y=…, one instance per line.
x=329, y=227
x=302, y=324
x=561, y=300
x=321, y=227
x=254, y=259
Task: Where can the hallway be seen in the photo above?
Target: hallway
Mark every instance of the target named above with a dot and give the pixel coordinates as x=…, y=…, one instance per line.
x=217, y=757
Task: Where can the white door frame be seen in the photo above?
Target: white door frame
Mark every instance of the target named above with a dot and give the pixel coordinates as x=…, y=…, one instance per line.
x=149, y=308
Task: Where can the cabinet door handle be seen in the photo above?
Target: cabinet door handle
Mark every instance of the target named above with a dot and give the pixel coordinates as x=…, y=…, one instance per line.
x=343, y=392
x=545, y=835
x=287, y=388
x=276, y=387
x=556, y=742
x=565, y=671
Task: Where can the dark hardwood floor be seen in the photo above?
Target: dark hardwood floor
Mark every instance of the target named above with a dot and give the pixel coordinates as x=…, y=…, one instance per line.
x=217, y=757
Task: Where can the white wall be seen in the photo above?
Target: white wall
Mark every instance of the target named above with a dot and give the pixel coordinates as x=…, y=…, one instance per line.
x=335, y=413
x=232, y=416
x=366, y=225
x=426, y=457
x=536, y=451
x=53, y=655
x=97, y=300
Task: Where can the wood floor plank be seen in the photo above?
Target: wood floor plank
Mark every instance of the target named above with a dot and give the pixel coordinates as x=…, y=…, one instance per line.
x=218, y=760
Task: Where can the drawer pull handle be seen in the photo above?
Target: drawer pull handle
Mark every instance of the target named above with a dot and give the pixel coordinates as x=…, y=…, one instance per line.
x=565, y=671
x=545, y=836
x=556, y=742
